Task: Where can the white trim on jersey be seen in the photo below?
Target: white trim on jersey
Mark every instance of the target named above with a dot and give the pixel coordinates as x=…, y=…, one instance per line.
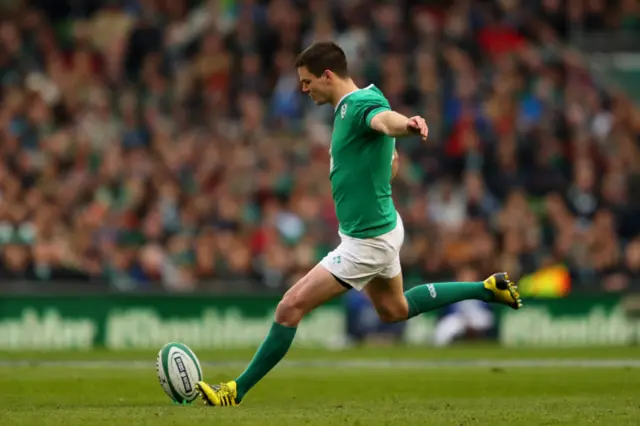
x=350, y=93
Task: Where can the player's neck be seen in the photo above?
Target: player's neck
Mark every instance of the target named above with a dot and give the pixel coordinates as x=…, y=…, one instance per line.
x=342, y=89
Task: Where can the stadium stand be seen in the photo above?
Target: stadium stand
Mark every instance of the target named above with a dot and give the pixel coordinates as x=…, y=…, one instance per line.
x=150, y=144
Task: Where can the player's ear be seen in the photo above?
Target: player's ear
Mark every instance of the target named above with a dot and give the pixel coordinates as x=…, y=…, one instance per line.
x=327, y=74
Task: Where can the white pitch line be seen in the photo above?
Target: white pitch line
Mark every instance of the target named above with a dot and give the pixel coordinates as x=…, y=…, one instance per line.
x=353, y=363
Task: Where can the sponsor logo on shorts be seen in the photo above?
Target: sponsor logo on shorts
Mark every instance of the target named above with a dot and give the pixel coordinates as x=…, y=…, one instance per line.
x=337, y=260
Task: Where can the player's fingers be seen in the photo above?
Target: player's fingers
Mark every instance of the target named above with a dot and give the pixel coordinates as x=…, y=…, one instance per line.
x=422, y=127
x=414, y=123
x=419, y=125
x=424, y=131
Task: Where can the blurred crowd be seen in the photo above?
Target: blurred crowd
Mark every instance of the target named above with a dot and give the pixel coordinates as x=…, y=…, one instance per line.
x=150, y=143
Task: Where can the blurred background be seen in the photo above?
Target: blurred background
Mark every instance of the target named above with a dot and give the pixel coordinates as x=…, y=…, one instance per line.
x=162, y=176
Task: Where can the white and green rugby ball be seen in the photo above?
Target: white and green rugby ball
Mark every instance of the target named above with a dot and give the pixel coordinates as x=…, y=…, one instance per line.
x=179, y=371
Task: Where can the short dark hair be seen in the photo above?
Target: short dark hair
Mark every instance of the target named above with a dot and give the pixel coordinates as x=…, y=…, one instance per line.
x=322, y=56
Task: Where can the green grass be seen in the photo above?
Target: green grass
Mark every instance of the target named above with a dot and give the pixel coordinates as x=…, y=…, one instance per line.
x=74, y=396
x=474, y=351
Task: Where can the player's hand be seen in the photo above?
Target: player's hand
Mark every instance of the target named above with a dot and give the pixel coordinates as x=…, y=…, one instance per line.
x=418, y=126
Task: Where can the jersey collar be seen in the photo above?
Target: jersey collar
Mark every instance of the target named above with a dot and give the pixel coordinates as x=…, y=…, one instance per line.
x=349, y=94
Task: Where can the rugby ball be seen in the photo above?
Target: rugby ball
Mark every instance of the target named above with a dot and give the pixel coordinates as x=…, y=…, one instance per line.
x=179, y=371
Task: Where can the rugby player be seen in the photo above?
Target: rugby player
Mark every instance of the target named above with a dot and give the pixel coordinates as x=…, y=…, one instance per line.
x=367, y=259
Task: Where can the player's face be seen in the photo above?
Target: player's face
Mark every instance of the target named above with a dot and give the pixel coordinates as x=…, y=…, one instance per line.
x=318, y=88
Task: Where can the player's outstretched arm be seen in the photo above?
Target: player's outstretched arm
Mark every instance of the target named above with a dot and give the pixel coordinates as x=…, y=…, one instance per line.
x=396, y=125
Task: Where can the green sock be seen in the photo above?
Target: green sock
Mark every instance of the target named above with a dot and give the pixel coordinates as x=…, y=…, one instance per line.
x=273, y=349
x=427, y=297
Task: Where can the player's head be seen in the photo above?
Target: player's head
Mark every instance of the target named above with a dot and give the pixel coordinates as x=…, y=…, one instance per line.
x=320, y=67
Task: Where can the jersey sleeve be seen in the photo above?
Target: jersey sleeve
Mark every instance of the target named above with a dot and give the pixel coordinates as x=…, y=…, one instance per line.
x=368, y=107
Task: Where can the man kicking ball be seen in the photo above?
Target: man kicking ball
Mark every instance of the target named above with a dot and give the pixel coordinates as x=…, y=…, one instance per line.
x=371, y=231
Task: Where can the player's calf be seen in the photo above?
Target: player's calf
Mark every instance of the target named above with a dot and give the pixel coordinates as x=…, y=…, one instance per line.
x=393, y=304
x=317, y=287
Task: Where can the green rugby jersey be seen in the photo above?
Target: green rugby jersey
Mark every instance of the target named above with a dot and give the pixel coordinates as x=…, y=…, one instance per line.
x=361, y=161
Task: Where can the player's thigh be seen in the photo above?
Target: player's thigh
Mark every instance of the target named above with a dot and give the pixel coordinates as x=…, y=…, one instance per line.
x=315, y=288
x=386, y=292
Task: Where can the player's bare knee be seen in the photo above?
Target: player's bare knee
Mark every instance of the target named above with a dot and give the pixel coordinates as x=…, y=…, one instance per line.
x=390, y=317
x=290, y=310
x=391, y=314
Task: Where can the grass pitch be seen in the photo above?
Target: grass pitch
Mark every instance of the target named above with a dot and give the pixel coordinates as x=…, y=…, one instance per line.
x=467, y=385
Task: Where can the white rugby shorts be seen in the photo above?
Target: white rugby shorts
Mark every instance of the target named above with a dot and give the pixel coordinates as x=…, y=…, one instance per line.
x=357, y=261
